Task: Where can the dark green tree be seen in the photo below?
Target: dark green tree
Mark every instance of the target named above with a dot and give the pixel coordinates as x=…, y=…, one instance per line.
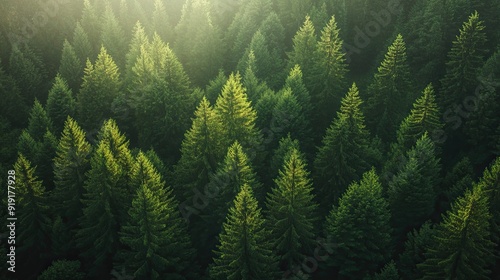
x=291, y=215
x=199, y=42
x=245, y=251
x=458, y=180
x=81, y=45
x=60, y=103
x=414, y=248
x=330, y=71
x=360, y=228
x=215, y=86
x=70, y=165
x=28, y=70
x=490, y=183
x=237, y=115
x=462, y=246
x=32, y=212
x=159, y=246
x=389, y=272
x=63, y=270
x=281, y=154
x=112, y=35
x=345, y=152
x=71, y=67
x=464, y=61
x=390, y=93
x=254, y=86
x=295, y=82
x=139, y=40
x=101, y=85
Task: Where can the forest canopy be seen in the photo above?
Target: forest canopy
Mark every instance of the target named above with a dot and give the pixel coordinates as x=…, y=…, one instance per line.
x=258, y=139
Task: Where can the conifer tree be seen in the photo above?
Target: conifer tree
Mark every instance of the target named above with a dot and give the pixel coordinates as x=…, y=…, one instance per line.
x=214, y=87
x=462, y=246
x=361, y=246
x=101, y=85
x=304, y=52
x=62, y=241
x=70, y=165
x=245, y=251
x=389, y=272
x=139, y=40
x=330, y=70
x=412, y=192
x=295, y=82
x=414, y=248
x=201, y=151
x=34, y=222
x=390, y=93
x=282, y=153
x=156, y=235
x=112, y=35
x=291, y=215
x=464, y=60
x=237, y=115
x=60, y=103
x=90, y=25
x=161, y=22
x=198, y=41
x=28, y=70
x=490, y=183
x=70, y=67
x=458, y=180
x=254, y=86
x=38, y=122
x=63, y=269
x=345, y=153
x=81, y=45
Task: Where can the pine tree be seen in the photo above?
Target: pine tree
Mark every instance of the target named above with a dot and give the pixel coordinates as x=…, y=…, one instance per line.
x=198, y=41
x=155, y=233
x=81, y=45
x=63, y=269
x=390, y=94
x=304, y=52
x=28, y=70
x=107, y=196
x=414, y=249
x=490, y=183
x=389, y=272
x=62, y=241
x=201, y=151
x=330, y=70
x=38, y=122
x=458, y=180
x=70, y=165
x=295, y=82
x=215, y=86
x=161, y=22
x=90, y=25
x=464, y=60
x=463, y=249
x=34, y=222
x=360, y=227
x=112, y=35
x=345, y=153
x=291, y=215
x=101, y=85
x=60, y=103
x=237, y=115
x=70, y=67
x=254, y=86
x=281, y=154
x=139, y=39
x=245, y=251
x=412, y=191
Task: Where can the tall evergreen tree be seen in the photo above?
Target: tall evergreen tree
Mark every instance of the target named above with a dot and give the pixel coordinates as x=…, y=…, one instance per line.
x=237, y=115
x=155, y=234
x=70, y=165
x=81, y=45
x=462, y=246
x=254, y=86
x=112, y=35
x=281, y=154
x=70, y=67
x=490, y=183
x=245, y=251
x=198, y=41
x=160, y=22
x=464, y=60
x=292, y=210
x=215, y=86
x=414, y=249
x=345, y=153
x=60, y=103
x=360, y=227
x=139, y=40
x=305, y=49
x=412, y=191
x=27, y=68
x=295, y=82
x=330, y=70
x=390, y=93
x=101, y=85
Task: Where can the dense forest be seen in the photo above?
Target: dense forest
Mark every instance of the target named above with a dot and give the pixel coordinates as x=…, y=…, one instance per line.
x=256, y=139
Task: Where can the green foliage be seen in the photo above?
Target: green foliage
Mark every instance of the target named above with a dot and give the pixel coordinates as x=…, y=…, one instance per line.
x=462, y=246
x=389, y=272
x=464, y=61
x=390, y=93
x=412, y=191
x=61, y=238
x=214, y=87
x=490, y=183
x=237, y=115
x=254, y=85
x=139, y=39
x=101, y=85
x=32, y=212
x=458, y=180
x=81, y=44
x=414, y=248
x=39, y=122
x=201, y=151
x=158, y=243
x=291, y=215
x=70, y=165
x=295, y=82
x=282, y=153
x=345, y=152
x=71, y=67
x=160, y=22
x=245, y=251
x=60, y=103
x=63, y=270
x=28, y=70
x=330, y=69
x=112, y=35
x=360, y=228
x=198, y=42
